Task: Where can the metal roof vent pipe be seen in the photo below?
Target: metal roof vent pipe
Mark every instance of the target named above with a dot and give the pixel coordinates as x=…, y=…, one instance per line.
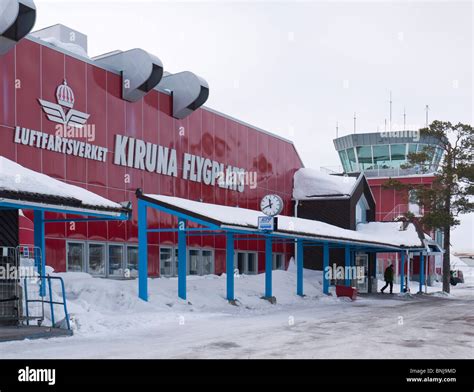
x=141, y=71
x=17, y=18
x=189, y=92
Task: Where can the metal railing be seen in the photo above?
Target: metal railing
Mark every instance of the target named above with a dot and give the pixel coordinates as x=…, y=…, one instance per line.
x=45, y=300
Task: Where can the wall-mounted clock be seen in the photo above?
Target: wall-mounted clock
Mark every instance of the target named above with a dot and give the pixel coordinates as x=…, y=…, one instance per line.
x=271, y=205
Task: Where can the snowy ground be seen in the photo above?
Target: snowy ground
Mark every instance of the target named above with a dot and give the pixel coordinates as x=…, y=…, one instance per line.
x=110, y=322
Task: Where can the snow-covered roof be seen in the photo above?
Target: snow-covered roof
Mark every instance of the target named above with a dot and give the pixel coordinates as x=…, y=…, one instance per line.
x=19, y=183
x=227, y=217
x=384, y=231
x=311, y=184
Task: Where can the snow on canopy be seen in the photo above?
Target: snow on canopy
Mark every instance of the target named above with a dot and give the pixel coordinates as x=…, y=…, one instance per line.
x=16, y=178
x=310, y=183
x=389, y=235
x=384, y=231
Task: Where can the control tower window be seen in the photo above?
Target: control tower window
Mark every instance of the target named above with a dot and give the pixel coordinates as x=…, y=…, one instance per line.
x=352, y=159
x=382, y=156
x=398, y=154
x=364, y=155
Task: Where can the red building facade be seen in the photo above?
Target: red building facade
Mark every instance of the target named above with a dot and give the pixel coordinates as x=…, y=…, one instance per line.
x=33, y=70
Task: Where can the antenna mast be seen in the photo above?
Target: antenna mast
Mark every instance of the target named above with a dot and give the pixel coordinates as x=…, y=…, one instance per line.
x=355, y=119
x=427, y=108
x=390, y=123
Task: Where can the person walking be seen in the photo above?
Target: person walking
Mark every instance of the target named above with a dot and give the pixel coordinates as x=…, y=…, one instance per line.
x=388, y=277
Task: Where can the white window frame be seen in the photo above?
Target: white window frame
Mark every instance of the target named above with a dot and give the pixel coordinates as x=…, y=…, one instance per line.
x=174, y=265
x=84, y=254
x=365, y=205
x=126, y=245
x=124, y=257
x=104, y=243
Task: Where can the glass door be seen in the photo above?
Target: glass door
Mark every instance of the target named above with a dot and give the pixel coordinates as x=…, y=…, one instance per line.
x=75, y=257
x=362, y=280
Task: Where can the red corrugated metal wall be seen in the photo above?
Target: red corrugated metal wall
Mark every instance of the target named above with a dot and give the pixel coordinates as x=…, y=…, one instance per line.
x=32, y=71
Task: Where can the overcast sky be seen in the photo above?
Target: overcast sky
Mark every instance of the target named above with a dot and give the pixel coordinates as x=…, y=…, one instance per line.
x=298, y=68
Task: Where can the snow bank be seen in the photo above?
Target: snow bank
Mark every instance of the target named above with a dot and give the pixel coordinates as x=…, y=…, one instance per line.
x=16, y=178
x=310, y=184
x=99, y=305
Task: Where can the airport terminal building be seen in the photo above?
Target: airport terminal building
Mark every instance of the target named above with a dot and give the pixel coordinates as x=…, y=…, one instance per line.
x=105, y=125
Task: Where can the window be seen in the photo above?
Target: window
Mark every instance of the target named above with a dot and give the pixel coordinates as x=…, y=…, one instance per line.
x=364, y=155
x=75, y=257
x=361, y=210
x=132, y=260
x=193, y=262
x=116, y=260
x=398, y=154
x=345, y=161
x=207, y=262
x=381, y=156
x=200, y=262
x=96, y=262
x=168, y=261
x=352, y=159
x=412, y=148
x=278, y=261
x=247, y=263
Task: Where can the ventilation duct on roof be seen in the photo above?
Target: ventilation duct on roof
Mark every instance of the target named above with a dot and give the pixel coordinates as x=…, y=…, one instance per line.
x=17, y=18
x=65, y=38
x=141, y=71
x=189, y=92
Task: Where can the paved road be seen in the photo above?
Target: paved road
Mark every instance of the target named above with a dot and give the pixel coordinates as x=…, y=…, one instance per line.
x=428, y=327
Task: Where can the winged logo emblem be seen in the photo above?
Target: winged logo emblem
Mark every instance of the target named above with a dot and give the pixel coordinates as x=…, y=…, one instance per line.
x=56, y=111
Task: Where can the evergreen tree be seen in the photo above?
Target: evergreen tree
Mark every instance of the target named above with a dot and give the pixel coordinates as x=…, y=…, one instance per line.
x=452, y=191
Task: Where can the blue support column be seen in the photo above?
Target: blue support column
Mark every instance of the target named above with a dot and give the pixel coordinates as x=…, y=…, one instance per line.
x=182, y=253
x=422, y=271
x=268, y=266
x=229, y=266
x=347, y=260
x=325, y=268
x=142, y=251
x=402, y=271
x=299, y=267
x=40, y=244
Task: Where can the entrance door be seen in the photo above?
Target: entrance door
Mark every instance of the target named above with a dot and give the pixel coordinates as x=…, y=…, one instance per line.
x=168, y=261
x=362, y=264
x=200, y=262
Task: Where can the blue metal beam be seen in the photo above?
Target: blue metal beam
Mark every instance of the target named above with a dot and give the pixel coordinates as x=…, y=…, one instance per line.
x=347, y=259
x=40, y=244
x=325, y=268
x=26, y=206
x=181, y=215
x=422, y=271
x=299, y=267
x=268, y=266
x=142, y=251
x=182, y=258
x=229, y=266
x=402, y=271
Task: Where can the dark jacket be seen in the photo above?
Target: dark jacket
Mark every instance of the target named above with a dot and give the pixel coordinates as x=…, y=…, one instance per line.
x=388, y=274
